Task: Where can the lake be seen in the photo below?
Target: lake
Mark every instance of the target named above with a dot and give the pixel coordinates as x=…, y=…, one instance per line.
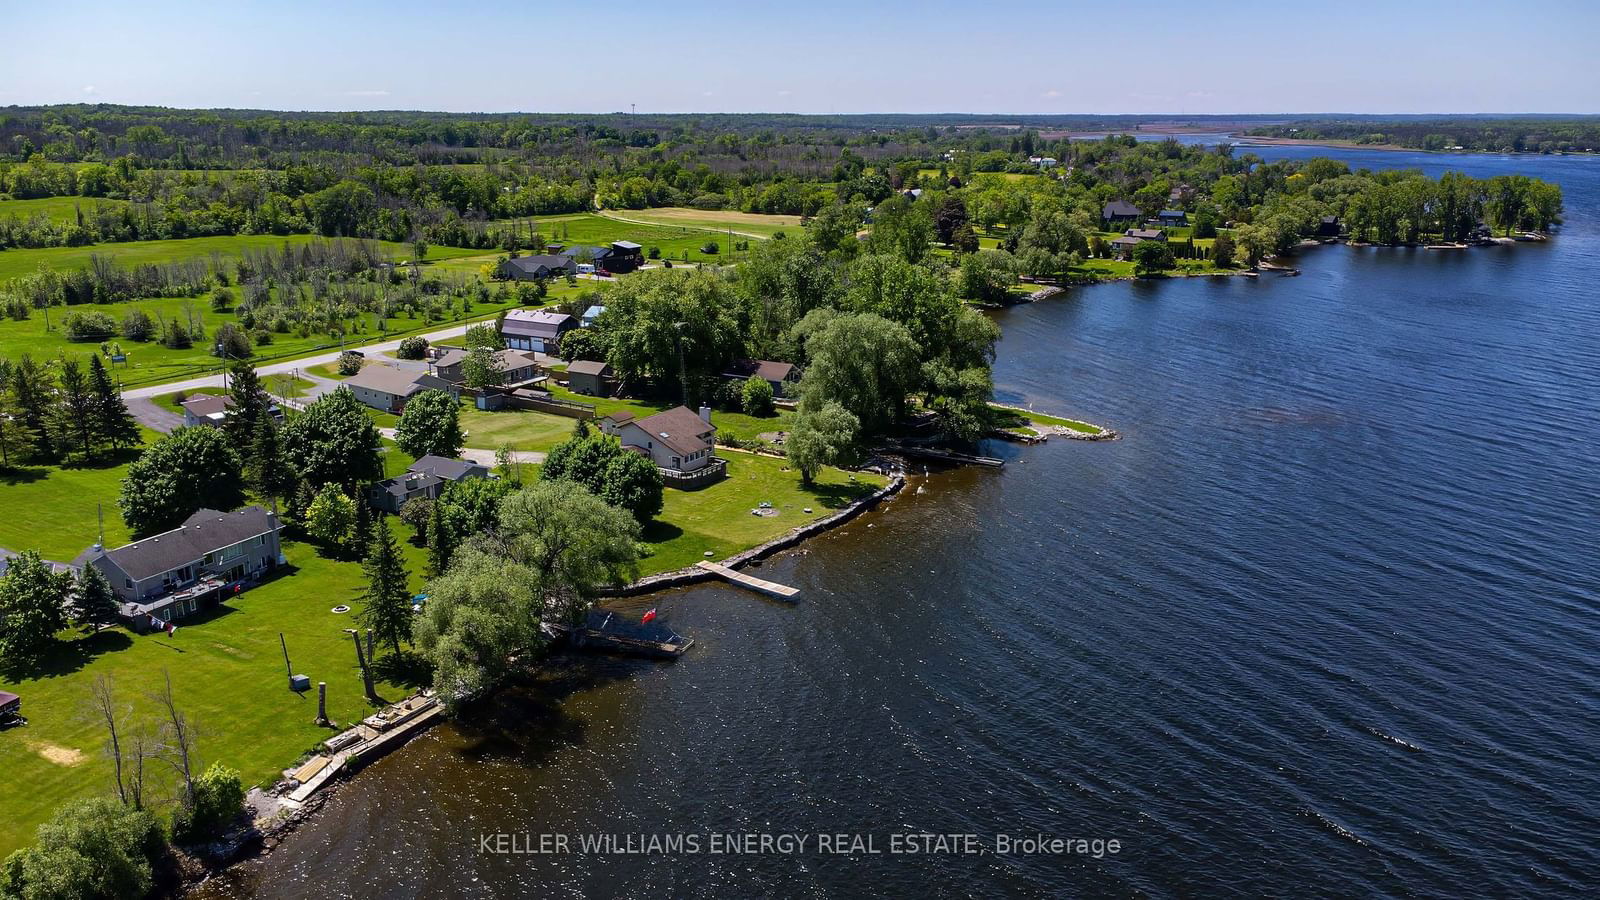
x=1325, y=621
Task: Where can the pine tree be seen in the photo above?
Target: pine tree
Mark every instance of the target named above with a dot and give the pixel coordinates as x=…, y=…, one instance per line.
x=269, y=472
x=94, y=601
x=75, y=409
x=388, y=599
x=16, y=438
x=441, y=539
x=250, y=406
x=112, y=421
x=32, y=396
x=361, y=535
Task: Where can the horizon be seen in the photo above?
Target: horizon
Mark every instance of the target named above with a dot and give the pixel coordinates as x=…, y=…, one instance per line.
x=1471, y=56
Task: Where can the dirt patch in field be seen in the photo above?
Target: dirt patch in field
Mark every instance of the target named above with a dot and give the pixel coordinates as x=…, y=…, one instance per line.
x=61, y=756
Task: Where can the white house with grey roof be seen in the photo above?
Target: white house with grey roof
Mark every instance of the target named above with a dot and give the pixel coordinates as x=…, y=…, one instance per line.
x=679, y=441
x=177, y=573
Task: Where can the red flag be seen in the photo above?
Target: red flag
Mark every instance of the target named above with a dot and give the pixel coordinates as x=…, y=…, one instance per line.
x=648, y=616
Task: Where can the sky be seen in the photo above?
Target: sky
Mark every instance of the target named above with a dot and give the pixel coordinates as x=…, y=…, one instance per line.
x=909, y=56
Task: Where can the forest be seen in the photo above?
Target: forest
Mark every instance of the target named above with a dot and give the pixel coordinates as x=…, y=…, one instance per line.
x=1525, y=134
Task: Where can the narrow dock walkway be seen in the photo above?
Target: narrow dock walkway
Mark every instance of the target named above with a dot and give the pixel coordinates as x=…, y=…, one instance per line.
x=760, y=585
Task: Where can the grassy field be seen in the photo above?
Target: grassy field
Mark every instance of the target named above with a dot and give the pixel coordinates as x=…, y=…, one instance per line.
x=718, y=517
x=227, y=674
x=675, y=243
x=55, y=509
x=521, y=429
x=61, y=210
x=749, y=224
x=21, y=262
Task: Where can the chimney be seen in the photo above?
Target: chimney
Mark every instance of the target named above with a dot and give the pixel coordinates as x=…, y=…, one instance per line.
x=705, y=414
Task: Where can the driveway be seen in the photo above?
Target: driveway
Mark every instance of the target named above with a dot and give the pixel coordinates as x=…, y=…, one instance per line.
x=153, y=416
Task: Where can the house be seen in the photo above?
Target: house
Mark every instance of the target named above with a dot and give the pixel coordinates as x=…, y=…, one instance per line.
x=425, y=478
x=535, y=329
x=619, y=257
x=537, y=266
x=1043, y=162
x=590, y=315
x=585, y=376
x=778, y=374
x=387, y=388
x=913, y=194
x=516, y=366
x=211, y=556
x=679, y=441
x=1119, y=210
x=1171, y=217
x=1181, y=193
x=1328, y=227
x=210, y=409
x=1122, y=245
x=1146, y=234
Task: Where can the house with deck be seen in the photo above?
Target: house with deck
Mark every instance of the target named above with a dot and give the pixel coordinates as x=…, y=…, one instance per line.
x=679, y=441
x=213, y=555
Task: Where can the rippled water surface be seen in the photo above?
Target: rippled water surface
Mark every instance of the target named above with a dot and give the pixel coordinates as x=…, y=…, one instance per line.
x=1325, y=621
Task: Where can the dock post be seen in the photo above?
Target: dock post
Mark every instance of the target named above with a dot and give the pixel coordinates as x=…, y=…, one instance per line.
x=322, y=703
x=361, y=660
x=370, y=655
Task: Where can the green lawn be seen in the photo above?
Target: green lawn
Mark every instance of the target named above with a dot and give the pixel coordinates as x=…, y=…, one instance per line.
x=756, y=224
x=61, y=210
x=718, y=517
x=595, y=230
x=21, y=262
x=55, y=509
x=738, y=424
x=228, y=677
x=522, y=429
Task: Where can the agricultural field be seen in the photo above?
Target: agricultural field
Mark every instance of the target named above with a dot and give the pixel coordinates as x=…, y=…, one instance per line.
x=60, y=210
x=677, y=243
x=756, y=225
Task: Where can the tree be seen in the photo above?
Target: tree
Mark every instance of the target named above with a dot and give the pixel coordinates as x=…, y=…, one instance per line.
x=94, y=602
x=756, y=396
x=32, y=607
x=218, y=801
x=633, y=483
x=583, y=343
x=679, y=327
x=113, y=423
x=388, y=598
x=1222, y=251
x=331, y=517
x=75, y=407
x=865, y=363
x=334, y=441
x=820, y=438
x=430, y=425
x=95, y=847
x=177, y=739
x=441, y=538
x=189, y=469
x=414, y=347
x=268, y=471
x=16, y=438
x=31, y=390
x=416, y=512
x=1152, y=257
x=484, y=335
x=250, y=406
x=483, y=368
x=350, y=362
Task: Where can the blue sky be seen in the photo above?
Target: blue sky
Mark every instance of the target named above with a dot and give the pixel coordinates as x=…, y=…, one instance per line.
x=1109, y=56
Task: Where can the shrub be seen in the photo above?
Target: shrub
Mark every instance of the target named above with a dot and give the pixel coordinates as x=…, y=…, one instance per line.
x=137, y=325
x=89, y=848
x=231, y=342
x=654, y=253
x=414, y=347
x=221, y=300
x=89, y=326
x=350, y=363
x=218, y=800
x=757, y=396
x=710, y=248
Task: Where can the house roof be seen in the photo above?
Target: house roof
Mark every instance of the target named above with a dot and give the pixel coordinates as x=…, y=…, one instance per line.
x=443, y=467
x=509, y=359
x=1124, y=240
x=206, y=405
x=401, y=485
x=537, y=323
x=1119, y=208
x=766, y=368
x=594, y=311
x=620, y=417
x=540, y=260
x=201, y=533
x=588, y=367
x=625, y=245
x=680, y=428
x=386, y=379
x=1146, y=234
x=595, y=253
x=1170, y=214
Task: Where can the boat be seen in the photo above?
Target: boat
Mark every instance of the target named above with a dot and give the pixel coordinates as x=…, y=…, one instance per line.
x=604, y=631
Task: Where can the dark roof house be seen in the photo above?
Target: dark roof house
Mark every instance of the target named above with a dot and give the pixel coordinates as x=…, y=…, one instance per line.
x=535, y=329
x=1119, y=209
x=543, y=265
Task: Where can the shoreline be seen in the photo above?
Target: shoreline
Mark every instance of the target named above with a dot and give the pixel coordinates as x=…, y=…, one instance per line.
x=1247, y=140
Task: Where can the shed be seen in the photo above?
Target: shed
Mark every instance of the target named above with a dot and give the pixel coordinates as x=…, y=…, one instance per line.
x=586, y=376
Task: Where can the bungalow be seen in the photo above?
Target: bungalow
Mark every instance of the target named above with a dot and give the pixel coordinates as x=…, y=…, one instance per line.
x=1122, y=245
x=387, y=388
x=535, y=329
x=678, y=441
x=585, y=376
x=1119, y=210
x=210, y=409
x=778, y=374
x=177, y=573
x=590, y=315
x=425, y=478
x=1171, y=217
x=538, y=266
x=516, y=366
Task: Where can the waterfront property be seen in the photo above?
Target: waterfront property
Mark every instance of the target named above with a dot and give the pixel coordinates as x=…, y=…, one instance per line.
x=210, y=409
x=1122, y=245
x=426, y=478
x=780, y=375
x=535, y=329
x=177, y=573
x=679, y=441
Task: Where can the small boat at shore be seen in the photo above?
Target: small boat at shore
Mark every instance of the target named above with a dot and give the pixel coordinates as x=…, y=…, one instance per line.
x=604, y=631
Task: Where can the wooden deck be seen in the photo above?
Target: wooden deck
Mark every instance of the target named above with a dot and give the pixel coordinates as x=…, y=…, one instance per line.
x=760, y=585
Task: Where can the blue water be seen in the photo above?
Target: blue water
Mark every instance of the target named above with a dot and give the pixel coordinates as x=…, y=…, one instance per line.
x=1326, y=621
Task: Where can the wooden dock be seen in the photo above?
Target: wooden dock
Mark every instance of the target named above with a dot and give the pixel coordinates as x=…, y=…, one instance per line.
x=759, y=585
